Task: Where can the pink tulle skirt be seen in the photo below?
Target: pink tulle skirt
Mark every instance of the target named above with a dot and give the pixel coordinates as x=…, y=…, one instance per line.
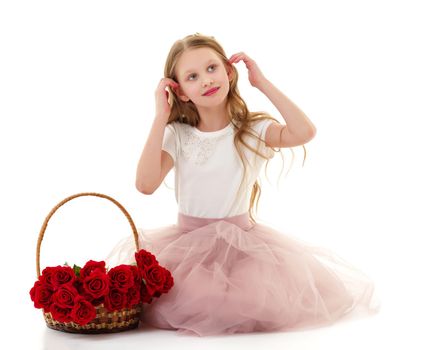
x=233, y=276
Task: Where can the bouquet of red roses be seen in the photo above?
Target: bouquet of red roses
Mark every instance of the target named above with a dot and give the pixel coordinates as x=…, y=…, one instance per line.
x=93, y=298
x=71, y=294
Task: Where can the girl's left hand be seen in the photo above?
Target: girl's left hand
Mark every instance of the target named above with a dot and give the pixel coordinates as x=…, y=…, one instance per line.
x=255, y=75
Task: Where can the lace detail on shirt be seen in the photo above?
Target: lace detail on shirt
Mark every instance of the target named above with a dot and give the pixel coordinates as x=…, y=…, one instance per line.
x=198, y=149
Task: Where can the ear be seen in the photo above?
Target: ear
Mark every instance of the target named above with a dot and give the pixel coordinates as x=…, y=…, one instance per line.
x=230, y=71
x=184, y=98
x=181, y=95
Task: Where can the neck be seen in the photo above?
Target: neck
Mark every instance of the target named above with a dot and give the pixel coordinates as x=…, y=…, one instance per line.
x=213, y=118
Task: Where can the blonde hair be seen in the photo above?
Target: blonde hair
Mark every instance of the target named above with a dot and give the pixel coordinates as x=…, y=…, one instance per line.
x=239, y=116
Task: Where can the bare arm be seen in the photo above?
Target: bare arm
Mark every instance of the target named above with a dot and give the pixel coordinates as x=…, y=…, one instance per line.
x=298, y=129
x=154, y=164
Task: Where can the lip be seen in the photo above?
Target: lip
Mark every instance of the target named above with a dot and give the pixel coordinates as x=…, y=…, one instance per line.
x=211, y=91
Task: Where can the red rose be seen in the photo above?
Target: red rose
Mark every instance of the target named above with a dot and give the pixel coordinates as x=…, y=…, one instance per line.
x=136, y=274
x=115, y=300
x=59, y=313
x=133, y=296
x=90, y=267
x=83, y=312
x=41, y=295
x=62, y=275
x=46, y=276
x=64, y=296
x=121, y=277
x=168, y=281
x=155, y=277
x=145, y=297
x=96, y=284
x=145, y=259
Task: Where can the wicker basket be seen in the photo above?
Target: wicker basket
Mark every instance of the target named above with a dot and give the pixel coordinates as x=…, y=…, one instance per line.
x=105, y=321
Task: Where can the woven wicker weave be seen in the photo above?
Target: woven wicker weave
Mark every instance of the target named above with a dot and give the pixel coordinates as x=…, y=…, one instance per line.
x=105, y=322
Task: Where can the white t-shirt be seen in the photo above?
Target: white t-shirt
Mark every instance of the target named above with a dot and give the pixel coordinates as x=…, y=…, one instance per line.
x=208, y=169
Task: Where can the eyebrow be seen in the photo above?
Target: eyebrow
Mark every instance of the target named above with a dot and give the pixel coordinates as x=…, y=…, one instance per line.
x=191, y=70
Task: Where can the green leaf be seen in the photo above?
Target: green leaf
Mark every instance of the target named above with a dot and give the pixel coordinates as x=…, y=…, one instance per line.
x=77, y=270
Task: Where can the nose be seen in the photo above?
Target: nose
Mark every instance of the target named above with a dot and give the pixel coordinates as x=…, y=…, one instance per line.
x=207, y=82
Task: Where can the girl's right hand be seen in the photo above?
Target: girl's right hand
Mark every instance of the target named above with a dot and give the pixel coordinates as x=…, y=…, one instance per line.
x=162, y=106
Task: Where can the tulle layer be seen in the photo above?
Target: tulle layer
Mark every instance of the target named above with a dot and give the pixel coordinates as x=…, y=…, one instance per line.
x=233, y=276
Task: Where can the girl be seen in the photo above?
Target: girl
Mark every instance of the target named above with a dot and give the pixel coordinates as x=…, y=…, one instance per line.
x=231, y=274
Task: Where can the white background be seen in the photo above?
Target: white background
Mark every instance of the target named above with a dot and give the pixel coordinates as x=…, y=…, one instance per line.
x=77, y=82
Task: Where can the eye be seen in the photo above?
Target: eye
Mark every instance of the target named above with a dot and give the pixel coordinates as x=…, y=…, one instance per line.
x=193, y=75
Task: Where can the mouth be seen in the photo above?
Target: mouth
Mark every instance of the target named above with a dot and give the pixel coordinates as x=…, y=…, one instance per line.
x=211, y=91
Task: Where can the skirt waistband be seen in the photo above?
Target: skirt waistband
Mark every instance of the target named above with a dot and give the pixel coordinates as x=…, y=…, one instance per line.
x=188, y=223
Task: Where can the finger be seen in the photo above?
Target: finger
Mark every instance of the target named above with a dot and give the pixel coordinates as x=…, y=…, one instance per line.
x=168, y=86
x=174, y=86
x=234, y=59
x=168, y=82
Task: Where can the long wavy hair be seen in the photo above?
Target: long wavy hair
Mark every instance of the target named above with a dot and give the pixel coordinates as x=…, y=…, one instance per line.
x=239, y=115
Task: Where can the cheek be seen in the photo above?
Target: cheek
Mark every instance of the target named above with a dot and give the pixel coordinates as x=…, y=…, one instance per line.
x=223, y=75
x=184, y=90
x=191, y=91
x=226, y=89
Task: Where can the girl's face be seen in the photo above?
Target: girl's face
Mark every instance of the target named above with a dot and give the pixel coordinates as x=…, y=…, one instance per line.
x=198, y=71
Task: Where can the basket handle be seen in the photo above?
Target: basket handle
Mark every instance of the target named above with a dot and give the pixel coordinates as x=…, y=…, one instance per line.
x=46, y=221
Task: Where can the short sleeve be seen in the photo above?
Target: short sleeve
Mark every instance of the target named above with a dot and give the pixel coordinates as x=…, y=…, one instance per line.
x=169, y=141
x=260, y=128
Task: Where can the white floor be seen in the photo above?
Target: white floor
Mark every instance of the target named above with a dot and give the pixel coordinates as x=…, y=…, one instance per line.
x=381, y=332
x=400, y=323
x=357, y=334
